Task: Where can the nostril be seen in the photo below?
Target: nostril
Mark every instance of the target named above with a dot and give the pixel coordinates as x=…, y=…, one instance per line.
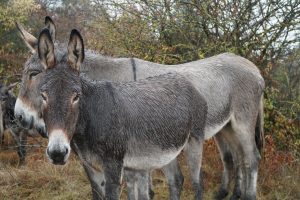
x=67, y=151
x=48, y=153
x=102, y=183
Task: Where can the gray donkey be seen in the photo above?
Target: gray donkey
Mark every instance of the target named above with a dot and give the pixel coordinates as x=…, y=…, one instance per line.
x=139, y=125
x=231, y=85
x=8, y=121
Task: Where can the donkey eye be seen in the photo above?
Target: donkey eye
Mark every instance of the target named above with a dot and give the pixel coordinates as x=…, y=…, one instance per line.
x=76, y=98
x=33, y=74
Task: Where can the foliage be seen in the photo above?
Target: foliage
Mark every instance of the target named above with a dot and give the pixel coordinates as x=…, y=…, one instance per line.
x=281, y=125
x=10, y=12
x=172, y=32
x=11, y=48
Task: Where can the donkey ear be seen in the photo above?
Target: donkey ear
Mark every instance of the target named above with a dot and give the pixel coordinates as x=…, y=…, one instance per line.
x=51, y=26
x=75, y=50
x=29, y=39
x=46, y=49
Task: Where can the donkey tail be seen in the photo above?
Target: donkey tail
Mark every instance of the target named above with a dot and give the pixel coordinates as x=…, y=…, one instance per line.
x=259, y=129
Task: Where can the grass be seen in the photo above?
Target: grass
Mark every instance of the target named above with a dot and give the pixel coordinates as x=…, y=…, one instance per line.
x=279, y=177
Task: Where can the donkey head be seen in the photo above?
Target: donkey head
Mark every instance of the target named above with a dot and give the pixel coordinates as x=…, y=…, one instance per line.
x=28, y=104
x=60, y=90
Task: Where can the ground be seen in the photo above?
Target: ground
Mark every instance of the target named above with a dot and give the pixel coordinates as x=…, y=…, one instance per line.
x=279, y=176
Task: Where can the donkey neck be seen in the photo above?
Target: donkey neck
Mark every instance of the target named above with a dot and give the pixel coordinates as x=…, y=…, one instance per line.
x=97, y=104
x=98, y=119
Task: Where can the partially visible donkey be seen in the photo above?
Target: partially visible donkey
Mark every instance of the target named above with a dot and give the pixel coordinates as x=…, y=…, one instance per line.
x=139, y=125
x=232, y=86
x=19, y=133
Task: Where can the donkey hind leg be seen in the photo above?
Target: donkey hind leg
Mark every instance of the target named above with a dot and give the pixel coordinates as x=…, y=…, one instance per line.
x=136, y=185
x=97, y=181
x=143, y=185
x=131, y=182
x=175, y=179
x=249, y=160
x=228, y=135
x=137, y=182
x=238, y=182
x=193, y=152
x=227, y=159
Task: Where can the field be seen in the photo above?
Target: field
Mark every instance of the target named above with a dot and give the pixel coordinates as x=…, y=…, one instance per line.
x=166, y=32
x=279, y=176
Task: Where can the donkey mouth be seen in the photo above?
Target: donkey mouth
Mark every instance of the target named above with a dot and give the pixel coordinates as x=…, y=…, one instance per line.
x=58, y=162
x=42, y=132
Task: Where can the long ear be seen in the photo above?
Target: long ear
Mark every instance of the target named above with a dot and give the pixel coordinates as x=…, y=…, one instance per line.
x=29, y=39
x=51, y=26
x=75, y=50
x=46, y=49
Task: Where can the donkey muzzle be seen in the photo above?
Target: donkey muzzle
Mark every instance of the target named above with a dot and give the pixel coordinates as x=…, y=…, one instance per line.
x=26, y=122
x=58, y=149
x=58, y=156
x=28, y=117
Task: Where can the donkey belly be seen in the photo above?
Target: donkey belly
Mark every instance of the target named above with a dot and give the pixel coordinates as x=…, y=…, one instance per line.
x=212, y=129
x=150, y=158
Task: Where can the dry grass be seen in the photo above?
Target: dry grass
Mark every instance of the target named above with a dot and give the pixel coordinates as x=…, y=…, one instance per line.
x=279, y=177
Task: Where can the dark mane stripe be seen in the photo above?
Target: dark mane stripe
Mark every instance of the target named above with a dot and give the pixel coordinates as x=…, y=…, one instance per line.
x=133, y=68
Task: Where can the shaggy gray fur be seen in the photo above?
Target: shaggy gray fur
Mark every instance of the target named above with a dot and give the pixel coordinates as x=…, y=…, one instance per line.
x=231, y=85
x=139, y=125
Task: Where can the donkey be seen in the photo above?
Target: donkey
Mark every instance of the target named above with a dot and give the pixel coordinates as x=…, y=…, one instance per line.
x=232, y=86
x=139, y=125
x=19, y=133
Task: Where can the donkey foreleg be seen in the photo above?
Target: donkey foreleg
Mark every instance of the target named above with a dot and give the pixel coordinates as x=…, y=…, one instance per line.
x=175, y=179
x=97, y=181
x=193, y=151
x=20, y=138
x=112, y=171
x=22, y=147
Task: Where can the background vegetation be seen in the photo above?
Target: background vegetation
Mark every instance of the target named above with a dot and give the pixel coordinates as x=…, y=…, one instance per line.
x=178, y=31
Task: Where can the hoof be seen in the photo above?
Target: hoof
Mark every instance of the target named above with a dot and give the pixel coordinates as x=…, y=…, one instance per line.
x=235, y=197
x=221, y=194
x=22, y=162
x=236, y=194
